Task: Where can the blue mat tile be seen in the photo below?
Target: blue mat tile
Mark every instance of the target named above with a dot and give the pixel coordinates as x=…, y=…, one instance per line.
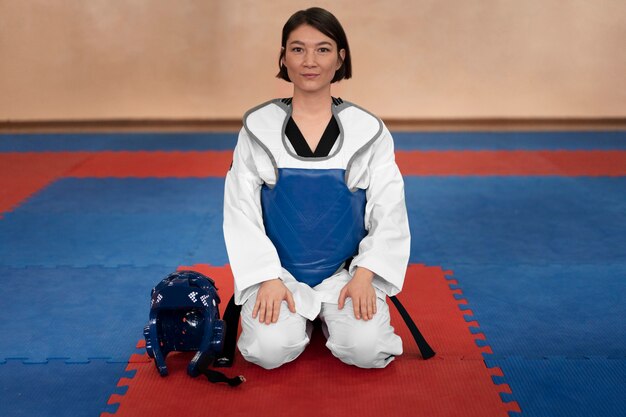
x=57, y=389
x=113, y=222
x=98, y=239
x=210, y=246
x=75, y=313
x=559, y=387
x=128, y=195
x=509, y=140
x=138, y=141
x=516, y=220
x=549, y=310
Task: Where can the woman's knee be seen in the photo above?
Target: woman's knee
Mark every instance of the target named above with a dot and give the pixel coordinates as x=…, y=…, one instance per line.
x=355, y=345
x=366, y=344
x=272, y=345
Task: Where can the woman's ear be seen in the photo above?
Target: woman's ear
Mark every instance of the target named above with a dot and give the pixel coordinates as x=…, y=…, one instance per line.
x=342, y=56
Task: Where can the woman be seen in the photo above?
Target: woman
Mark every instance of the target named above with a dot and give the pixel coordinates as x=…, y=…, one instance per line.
x=315, y=221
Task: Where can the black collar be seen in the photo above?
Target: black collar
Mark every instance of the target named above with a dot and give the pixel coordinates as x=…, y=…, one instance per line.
x=300, y=145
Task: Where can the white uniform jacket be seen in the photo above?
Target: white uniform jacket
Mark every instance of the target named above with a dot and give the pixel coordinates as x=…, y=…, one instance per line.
x=364, y=150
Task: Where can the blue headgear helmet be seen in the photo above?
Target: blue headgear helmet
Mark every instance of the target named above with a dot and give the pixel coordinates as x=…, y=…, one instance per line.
x=185, y=316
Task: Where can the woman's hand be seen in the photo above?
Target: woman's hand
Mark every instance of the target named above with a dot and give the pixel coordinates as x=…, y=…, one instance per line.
x=269, y=298
x=362, y=292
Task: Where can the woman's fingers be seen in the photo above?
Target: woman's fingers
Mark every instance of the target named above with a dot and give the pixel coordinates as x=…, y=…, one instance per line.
x=269, y=299
x=269, y=311
x=356, y=304
x=370, y=309
x=255, y=310
x=275, y=312
x=290, y=302
x=363, y=298
x=342, y=297
x=367, y=308
x=262, y=306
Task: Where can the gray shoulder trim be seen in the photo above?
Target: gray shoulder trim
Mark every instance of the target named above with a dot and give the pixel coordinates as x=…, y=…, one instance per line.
x=343, y=105
x=280, y=104
x=283, y=103
x=369, y=143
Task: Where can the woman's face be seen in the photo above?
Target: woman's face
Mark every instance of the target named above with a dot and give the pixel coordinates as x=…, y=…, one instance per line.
x=311, y=59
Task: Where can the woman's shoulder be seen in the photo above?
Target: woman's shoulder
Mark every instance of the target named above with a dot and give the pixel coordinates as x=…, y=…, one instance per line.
x=280, y=103
x=354, y=116
x=343, y=105
x=267, y=115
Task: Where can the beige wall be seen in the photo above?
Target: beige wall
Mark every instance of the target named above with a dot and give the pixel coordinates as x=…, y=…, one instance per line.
x=129, y=59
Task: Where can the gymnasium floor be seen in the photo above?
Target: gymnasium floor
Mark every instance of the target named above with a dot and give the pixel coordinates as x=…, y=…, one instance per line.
x=517, y=279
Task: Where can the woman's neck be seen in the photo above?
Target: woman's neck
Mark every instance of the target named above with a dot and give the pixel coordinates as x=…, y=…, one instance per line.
x=311, y=104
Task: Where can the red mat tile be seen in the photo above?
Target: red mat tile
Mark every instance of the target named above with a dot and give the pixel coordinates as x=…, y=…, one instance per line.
x=467, y=162
x=23, y=174
x=566, y=163
x=317, y=384
x=157, y=164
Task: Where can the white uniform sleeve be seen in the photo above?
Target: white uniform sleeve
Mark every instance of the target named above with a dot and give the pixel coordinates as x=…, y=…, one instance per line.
x=386, y=248
x=253, y=257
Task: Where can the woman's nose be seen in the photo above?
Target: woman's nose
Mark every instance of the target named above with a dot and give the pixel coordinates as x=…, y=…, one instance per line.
x=309, y=58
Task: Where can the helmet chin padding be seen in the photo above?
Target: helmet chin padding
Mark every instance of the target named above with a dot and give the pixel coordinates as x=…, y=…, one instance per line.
x=184, y=316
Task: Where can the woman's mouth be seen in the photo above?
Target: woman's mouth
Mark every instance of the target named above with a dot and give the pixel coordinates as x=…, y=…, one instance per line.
x=310, y=76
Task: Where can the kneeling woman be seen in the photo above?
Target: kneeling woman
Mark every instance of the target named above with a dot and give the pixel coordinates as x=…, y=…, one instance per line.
x=315, y=221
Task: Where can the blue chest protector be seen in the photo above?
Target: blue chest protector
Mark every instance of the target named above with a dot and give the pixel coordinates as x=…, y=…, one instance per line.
x=315, y=222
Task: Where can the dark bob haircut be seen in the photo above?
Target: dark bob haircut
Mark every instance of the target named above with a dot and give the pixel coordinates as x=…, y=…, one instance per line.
x=325, y=22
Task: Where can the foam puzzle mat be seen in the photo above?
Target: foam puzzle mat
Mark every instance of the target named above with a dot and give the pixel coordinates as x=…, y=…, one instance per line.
x=517, y=278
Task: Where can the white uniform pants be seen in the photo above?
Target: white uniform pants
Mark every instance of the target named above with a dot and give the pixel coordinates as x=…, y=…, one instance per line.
x=366, y=344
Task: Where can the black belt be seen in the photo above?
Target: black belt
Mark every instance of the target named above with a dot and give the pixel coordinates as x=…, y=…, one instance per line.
x=233, y=311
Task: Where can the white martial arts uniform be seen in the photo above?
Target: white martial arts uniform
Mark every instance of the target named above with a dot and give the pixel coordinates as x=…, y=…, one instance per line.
x=364, y=150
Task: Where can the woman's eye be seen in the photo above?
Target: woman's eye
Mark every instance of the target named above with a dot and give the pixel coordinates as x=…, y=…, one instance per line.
x=324, y=50
x=296, y=49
